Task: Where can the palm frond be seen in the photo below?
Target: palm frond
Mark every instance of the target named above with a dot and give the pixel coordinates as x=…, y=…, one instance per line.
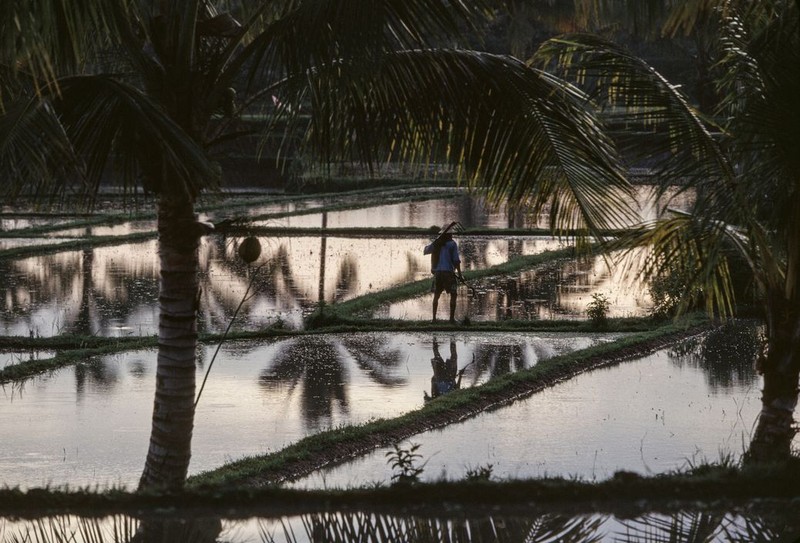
x=699, y=251
x=761, y=59
x=690, y=527
x=523, y=135
x=672, y=136
x=105, y=118
x=35, y=153
x=306, y=35
x=47, y=37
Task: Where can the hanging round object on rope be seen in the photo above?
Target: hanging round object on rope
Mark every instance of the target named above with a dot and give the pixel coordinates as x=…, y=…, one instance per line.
x=250, y=249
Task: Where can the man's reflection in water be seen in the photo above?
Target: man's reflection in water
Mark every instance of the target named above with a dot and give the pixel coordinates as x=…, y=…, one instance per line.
x=446, y=376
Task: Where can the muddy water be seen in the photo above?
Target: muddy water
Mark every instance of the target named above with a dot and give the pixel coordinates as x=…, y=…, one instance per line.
x=664, y=412
x=90, y=424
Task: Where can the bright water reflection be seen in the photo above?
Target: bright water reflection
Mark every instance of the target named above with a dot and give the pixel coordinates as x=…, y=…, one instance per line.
x=559, y=290
x=434, y=212
x=13, y=243
x=661, y=413
x=113, y=291
x=90, y=424
x=123, y=229
x=775, y=522
x=470, y=210
x=107, y=291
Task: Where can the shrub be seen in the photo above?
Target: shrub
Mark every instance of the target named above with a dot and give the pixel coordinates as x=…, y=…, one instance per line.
x=597, y=310
x=404, y=464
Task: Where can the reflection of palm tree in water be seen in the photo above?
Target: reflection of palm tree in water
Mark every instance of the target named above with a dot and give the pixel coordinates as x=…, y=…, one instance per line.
x=679, y=527
x=102, y=377
x=317, y=365
x=77, y=292
x=446, y=375
x=727, y=354
x=201, y=529
x=374, y=357
x=35, y=282
x=276, y=281
x=365, y=527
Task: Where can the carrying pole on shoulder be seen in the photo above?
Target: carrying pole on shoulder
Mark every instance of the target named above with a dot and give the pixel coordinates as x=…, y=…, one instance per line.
x=453, y=226
x=436, y=244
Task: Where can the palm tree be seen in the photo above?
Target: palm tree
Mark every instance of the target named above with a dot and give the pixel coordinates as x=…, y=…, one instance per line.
x=151, y=86
x=744, y=172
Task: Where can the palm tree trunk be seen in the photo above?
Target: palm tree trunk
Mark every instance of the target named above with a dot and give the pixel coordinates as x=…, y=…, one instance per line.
x=168, y=457
x=775, y=429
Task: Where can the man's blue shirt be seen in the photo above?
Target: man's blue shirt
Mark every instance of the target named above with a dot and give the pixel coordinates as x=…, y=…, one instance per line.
x=448, y=256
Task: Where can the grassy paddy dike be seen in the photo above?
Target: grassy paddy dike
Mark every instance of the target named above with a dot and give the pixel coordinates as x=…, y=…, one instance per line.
x=253, y=484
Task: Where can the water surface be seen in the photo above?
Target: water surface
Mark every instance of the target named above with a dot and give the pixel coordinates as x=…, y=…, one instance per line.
x=557, y=290
x=113, y=291
x=770, y=522
x=662, y=413
x=90, y=424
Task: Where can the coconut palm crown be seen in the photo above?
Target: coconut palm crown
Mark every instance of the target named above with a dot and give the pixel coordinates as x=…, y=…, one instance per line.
x=742, y=167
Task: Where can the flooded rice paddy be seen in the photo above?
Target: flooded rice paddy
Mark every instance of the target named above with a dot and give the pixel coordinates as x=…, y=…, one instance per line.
x=11, y=357
x=662, y=413
x=113, y=291
x=558, y=290
x=89, y=424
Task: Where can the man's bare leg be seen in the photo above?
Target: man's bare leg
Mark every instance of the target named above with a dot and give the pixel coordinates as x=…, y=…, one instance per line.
x=453, y=298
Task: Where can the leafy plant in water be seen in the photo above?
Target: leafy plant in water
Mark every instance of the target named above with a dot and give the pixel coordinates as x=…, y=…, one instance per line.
x=597, y=309
x=480, y=473
x=404, y=464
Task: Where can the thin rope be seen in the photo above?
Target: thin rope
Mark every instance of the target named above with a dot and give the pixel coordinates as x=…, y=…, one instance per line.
x=230, y=324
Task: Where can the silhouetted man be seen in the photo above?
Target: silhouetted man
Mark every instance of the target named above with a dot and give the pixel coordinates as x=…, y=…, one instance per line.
x=445, y=264
x=446, y=376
